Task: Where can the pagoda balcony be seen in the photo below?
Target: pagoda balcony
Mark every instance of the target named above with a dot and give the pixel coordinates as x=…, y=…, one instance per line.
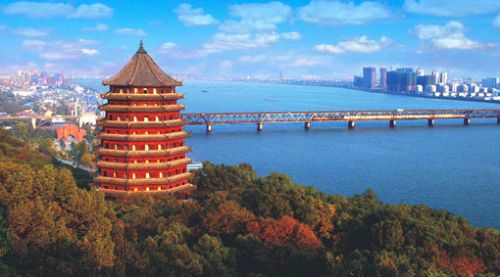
x=143, y=137
x=143, y=109
x=143, y=181
x=143, y=166
x=146, y=97
x=124, y=193
x=144, y=153
x=142, y=124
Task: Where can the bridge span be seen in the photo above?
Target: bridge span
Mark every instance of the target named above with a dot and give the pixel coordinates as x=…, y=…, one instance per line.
x=350, y=117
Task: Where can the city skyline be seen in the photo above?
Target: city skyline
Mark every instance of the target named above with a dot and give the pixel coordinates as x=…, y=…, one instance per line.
x=222, y=40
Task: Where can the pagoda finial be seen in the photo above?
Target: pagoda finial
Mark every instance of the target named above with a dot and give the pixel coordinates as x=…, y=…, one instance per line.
x=141, y=48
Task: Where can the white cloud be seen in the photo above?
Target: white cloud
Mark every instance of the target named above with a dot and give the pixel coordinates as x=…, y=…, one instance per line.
x=49, y=10
x=37, y=45
x=191, y=16
x=224, y=41
x=337, y=12
x=448, y=36
x=31, y=32
x=496, y=21
x=175, y=51
x=454, y=8
x=96, y=10
x=291, y=35
x=252, y=59
x=167, y=46
x=99, y=27
x=256, y=17
x=308, y=61
x=89, y=52
x=62, y=50
x=130, y=32
x=360, y=44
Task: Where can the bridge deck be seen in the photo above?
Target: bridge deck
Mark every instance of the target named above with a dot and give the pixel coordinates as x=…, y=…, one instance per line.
x=327, y=116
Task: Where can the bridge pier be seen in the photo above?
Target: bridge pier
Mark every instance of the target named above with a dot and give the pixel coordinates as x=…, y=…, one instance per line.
x=392, y=123
x=431, y=122
x=260, y=126
x=351, y=124
x=33, y=123
x=466, y=121
x=307, y=125
x=209, y=128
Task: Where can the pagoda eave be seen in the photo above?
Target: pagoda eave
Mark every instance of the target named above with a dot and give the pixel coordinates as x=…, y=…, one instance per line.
x=149, y=137
x=143, y=166
x=144, y=109
x=144, y=153
x=129, y=96
x=186, y=188
x=143, y=181
x=142, y=124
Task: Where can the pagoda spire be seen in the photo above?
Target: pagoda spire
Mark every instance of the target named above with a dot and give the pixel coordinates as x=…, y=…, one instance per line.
x=141, y=48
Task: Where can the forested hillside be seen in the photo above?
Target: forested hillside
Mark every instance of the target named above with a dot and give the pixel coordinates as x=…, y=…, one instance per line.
x=237, y=223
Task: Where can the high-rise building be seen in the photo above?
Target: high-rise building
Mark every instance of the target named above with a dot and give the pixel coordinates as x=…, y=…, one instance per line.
x=420, y=72
x=383, y=78
x=444, y=78
x=491, y=82
x=435, y=77
x=402, y=80
x=370, y=77
x=142, y=137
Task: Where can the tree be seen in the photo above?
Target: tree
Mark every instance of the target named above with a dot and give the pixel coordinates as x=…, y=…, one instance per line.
x=216, y=259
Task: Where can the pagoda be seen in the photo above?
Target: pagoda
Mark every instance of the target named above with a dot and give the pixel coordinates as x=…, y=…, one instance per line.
x=142, y=148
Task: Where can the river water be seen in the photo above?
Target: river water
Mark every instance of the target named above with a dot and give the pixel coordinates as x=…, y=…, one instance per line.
x=449, y=166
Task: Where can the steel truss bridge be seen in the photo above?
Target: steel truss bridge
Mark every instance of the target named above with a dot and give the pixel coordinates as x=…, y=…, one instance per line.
x=351, y=117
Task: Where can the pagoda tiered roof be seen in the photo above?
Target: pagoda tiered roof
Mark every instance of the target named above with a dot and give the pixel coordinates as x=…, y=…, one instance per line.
x=141, y=71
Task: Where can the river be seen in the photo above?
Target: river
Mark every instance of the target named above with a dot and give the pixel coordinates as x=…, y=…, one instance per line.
x=449, y=166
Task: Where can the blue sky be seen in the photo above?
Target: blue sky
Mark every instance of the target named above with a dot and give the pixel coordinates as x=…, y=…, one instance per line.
x=218, y=39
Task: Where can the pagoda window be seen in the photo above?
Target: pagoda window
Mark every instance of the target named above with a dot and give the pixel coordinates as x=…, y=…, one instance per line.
x=116, y=146
x=135, y=118
x=119, y=118
x=135, y=90
x=154, y=91
x=146, y=133
x=133, y=175
x=147, y=161
x=133, y=147
x=114, y=174
x=160, y=175
x=146, y=147
x=146, y=119
x=157, y=118
x=159, y=146
x=147, y=175
x=121, y=90
x=145, y=90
